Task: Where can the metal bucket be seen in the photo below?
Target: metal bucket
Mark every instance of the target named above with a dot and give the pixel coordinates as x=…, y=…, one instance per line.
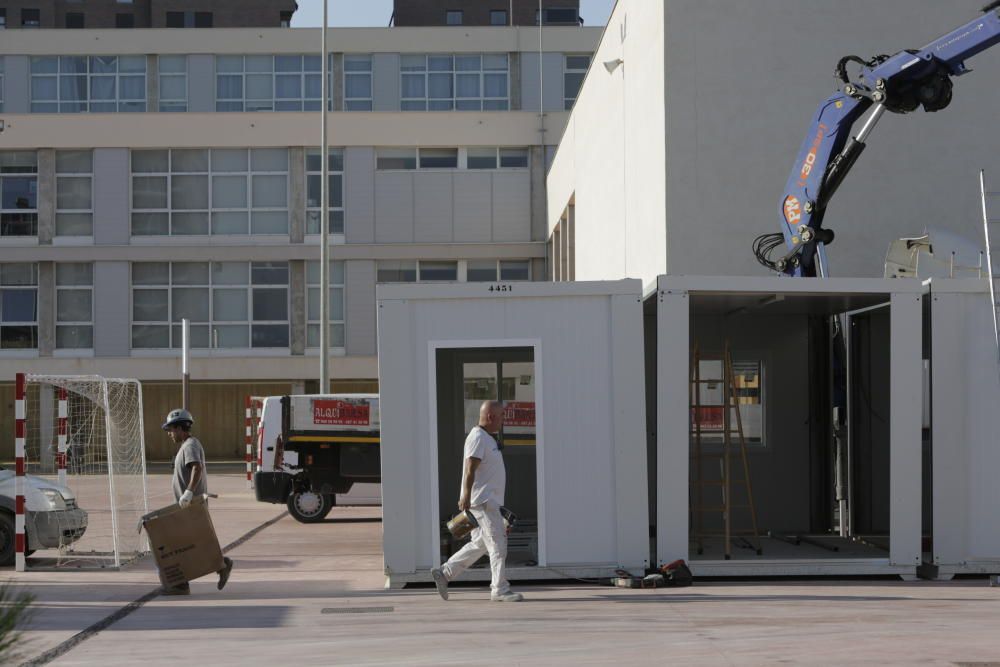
x=462, y=524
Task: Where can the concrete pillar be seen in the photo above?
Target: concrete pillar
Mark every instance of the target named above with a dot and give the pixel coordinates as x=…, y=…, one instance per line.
x=152, y=83
x=564, y=254
x=201, y=83
x=337, y=82
x=514, y=80
x=539, y=221
x=297, y=194
x=17, y=84
x=297, y=287
x=46, y=195
x=557, y=253
x=46, y=308
x=571, y=241
x=112, y=333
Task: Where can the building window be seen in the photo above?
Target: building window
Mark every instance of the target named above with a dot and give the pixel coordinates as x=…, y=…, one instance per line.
x=498, y=17
x=410, y=271
x=488, y=270
x=74, y=20
x=285, y=19
x=173, y=83
x=74, y=193
x=18, y=193
x=75, y=84
x=196, y=192
x=31, y=18
x=387, y=159
x=18, y=306
x=229, y=304
x=453, y=17
x=474, y=82
x=357, y=82
x=3, y=18
x=335, y=309
x=492, y=158
x=314, y=179
x=268, y=83
x=75, y=305
x=574, y=71
x=189, y=19
x=124, y=20
x=559, y=16
x=748, y=376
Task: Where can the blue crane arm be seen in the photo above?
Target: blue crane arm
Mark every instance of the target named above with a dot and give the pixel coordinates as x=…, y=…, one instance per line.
x=900, y=83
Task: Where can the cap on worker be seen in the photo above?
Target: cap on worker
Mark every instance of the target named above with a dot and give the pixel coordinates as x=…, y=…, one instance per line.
x=177, y=416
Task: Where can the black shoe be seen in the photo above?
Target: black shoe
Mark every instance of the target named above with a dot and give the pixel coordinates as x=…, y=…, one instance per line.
x=224, y=572
x=183, y=589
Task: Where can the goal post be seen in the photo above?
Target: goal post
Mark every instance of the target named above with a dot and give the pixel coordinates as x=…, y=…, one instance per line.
x=80, y=471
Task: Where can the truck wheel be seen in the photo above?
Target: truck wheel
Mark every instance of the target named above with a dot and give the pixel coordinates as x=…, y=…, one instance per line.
x=6, y=539
x=309, y=506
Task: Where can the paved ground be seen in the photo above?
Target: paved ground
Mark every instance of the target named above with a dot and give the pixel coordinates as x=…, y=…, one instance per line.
x=313, y=595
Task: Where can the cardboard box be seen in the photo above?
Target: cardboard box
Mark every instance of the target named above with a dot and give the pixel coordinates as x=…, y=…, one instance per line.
x=183, y=541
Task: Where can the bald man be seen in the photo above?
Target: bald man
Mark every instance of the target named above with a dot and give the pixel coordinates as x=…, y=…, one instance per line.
x=483, y=482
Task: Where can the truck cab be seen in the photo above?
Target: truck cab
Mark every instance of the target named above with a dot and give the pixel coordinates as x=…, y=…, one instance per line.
x=312, y=447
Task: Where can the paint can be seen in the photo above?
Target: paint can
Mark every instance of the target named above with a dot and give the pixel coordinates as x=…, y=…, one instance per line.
x=462, y=524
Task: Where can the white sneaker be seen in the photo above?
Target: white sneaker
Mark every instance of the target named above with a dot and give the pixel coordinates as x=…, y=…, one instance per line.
x=509, y=596
x=441, y=582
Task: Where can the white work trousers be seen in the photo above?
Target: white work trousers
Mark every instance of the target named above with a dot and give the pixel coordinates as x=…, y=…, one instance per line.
x=490, y=537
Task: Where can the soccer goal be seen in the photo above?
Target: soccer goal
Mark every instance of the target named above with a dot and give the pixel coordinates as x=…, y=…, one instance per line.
x=80, y=471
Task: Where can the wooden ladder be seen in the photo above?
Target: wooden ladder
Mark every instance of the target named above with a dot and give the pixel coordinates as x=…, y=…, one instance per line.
x=726, y=482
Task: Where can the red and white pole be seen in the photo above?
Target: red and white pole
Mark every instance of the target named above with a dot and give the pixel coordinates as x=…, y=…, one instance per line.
x=248, y=405
x=19, y=430
x=63, y=415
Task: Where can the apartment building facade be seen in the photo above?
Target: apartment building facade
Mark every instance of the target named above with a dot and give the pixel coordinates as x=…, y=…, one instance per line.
x=91, y=14
x=150, y=176
x=485, y=12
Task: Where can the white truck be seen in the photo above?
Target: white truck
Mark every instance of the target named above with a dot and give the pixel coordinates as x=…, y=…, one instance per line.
x=312, y=447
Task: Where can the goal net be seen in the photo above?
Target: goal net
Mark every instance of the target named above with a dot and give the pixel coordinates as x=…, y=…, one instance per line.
x=84, y=463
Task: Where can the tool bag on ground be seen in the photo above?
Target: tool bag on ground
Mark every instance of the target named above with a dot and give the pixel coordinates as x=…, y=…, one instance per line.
x=677, y=574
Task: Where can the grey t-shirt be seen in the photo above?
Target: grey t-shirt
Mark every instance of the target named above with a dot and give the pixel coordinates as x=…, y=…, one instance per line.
x=190, y=452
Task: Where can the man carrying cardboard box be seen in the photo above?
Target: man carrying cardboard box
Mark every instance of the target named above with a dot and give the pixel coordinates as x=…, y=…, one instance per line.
x=190, y=479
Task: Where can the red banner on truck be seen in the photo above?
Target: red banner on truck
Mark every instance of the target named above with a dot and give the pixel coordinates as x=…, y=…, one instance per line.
x=333, y=412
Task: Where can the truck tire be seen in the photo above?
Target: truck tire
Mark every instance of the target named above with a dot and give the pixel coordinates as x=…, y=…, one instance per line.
x=309, y=506
x=6, y=539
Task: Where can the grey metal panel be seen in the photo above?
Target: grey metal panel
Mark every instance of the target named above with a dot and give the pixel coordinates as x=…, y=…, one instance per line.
x=297, y=287
x=511, y=206
x=111, y=196
x=16, y=84
x=359, y=307
x=385, y=82
x=672, y=438
x=359, y=195
x=473, y=207
x=111, y=309
x=393, y=207
x=432, y=207
x=152, y=83
x=906, y=403
x=201, y=82
x=552, y=81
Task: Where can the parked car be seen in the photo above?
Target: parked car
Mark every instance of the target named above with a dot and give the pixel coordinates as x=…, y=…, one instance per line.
x=51, y=517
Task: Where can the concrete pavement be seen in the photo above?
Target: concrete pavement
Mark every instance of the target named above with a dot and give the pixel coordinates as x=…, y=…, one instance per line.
x=313, y=594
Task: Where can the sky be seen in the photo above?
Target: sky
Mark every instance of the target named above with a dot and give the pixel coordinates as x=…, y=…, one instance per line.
x=377, y=12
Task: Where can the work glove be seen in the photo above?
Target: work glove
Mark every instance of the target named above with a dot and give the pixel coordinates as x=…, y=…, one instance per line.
x=185, y=499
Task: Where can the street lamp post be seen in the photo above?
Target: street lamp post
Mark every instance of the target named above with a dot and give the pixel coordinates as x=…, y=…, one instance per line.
x=324, y=221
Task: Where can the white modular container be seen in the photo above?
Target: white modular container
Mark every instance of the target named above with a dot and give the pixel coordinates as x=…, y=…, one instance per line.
x=577, y=413
x=966, y=448
x=772, y=321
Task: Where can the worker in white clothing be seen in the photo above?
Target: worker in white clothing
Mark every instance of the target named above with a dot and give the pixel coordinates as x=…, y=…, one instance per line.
x=482, y=493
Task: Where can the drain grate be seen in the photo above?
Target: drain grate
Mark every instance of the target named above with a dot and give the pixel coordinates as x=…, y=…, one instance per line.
x=357, y=610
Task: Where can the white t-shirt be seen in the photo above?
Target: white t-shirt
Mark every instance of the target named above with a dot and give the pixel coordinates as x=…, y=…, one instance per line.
x=491, y=476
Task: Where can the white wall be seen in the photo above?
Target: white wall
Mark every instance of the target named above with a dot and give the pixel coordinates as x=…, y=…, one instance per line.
x=742, y=83
x=612, y=153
